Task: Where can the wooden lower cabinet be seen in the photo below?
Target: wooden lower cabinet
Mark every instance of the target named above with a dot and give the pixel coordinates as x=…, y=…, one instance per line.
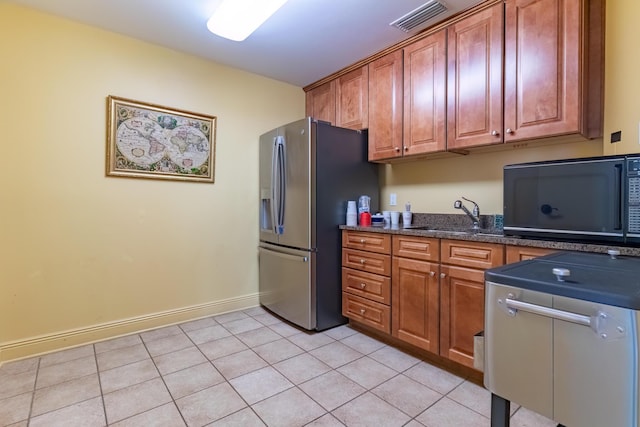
x=414, y=302
x=366, y=278
x=461, y=312
x=365, y=311
x=521, y=253
x=430, y=296
x=462, y=294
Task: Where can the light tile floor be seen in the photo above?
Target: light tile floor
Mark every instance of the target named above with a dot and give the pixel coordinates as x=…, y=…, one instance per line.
x=245, y=368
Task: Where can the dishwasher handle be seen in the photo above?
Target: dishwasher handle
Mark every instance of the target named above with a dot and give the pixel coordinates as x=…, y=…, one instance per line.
x=601, y=323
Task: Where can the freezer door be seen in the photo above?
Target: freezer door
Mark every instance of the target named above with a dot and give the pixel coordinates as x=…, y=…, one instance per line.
x=296, y=198
x=268, y=208
x=286, y=285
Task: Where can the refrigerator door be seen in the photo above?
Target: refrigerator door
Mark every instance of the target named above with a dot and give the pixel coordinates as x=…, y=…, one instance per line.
x=268, y=179
x=286, y=285
x=296, y=199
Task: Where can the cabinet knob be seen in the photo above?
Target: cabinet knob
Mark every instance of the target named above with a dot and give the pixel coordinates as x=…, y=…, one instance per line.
x=406, y=148
x=397, y=149
x=432, y=273
x=362, y=240
x=495, y=133
x=363, y=285
x=509, y=131
x=361, y=261
x=362, y=310
x=442, y=275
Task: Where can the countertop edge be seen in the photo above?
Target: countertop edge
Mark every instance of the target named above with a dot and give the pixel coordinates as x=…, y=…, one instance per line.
x=515, y=241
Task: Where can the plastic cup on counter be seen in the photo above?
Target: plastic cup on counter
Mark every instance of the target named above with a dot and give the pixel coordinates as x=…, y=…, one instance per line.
x=395, y=217
x=386, y=215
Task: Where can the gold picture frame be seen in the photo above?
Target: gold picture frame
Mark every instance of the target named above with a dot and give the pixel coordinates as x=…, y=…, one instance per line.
x=151, y=141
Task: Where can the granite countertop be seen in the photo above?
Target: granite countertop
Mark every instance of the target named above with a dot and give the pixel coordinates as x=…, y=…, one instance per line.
x=428, y=225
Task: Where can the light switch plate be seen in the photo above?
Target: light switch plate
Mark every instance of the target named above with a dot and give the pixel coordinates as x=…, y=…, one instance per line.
x=393, y=200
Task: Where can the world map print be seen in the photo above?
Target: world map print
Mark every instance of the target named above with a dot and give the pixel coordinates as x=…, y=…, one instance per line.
x=158, y=142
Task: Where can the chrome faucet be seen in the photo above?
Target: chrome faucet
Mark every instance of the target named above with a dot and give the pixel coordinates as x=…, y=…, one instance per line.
x=475, y=216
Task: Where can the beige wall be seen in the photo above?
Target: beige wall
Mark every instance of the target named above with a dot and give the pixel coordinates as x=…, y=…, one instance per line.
x=622, y=84
x=84, y=256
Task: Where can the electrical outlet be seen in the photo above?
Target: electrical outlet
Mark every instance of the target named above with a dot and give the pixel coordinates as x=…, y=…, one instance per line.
x=393, y=200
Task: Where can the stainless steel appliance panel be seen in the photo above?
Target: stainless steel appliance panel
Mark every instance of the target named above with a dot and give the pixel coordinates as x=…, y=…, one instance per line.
x=308, y=172
x=518, y=353
x=571, y=360
x=286, y=285
x=268, y=209
x=299, y=154
x=593, y=383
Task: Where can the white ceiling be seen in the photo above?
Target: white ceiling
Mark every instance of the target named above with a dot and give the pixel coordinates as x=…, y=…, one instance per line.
x=303, y=42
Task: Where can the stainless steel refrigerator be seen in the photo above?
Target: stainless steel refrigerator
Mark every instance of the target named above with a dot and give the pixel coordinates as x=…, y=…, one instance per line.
x=308, y=171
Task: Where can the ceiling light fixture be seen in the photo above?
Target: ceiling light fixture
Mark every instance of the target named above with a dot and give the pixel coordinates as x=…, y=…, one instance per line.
x=237, y=19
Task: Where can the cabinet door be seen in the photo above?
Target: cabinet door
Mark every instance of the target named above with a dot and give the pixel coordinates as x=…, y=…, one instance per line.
x=415, y=300
x=542, y=68
x=352, y=99
x=474, y=100
x=385, y=107
x=321, y=102
x=372, y=242
x=365, y=311
x=367, y=261
x=425, y=68
x=461, y=312
x=521, y=253
x=478, y=255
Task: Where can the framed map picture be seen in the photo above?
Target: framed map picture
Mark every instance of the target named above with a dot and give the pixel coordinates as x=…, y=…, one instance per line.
x=151, y=141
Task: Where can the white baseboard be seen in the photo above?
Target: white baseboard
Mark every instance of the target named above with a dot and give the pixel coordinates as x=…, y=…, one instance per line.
x=42, y=344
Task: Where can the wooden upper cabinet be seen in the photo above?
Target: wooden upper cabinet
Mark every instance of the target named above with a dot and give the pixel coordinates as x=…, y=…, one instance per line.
x=321, y=102
x=425, y=67
x=474, y=104
x=352, y=99
x=553, y=68
x=385, y=107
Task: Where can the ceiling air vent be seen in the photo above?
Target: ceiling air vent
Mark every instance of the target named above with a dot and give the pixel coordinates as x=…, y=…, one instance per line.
x=419, y=16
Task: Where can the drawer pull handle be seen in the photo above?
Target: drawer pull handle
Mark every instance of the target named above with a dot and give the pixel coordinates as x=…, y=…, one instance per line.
x=362, y=310
x=363, y=285
x=442, y=275
x=363, y=240
x=362, y=261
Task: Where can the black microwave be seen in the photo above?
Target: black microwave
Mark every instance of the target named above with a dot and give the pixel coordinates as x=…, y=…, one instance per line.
x=594, y=199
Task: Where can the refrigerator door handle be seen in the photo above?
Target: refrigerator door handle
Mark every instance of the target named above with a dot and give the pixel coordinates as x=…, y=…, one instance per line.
x=274, y=195
x=278, y=170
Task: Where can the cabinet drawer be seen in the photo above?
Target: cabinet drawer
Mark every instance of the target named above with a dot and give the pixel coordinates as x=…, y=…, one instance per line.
x=367, y=261
x=421, y=248
x=367, y=285
x=471, y=254
x=521, y=253
x=374, y=242
x=368, y=312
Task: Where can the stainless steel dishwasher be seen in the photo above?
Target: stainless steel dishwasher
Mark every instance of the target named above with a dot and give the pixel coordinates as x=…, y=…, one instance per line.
x=561, y=339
